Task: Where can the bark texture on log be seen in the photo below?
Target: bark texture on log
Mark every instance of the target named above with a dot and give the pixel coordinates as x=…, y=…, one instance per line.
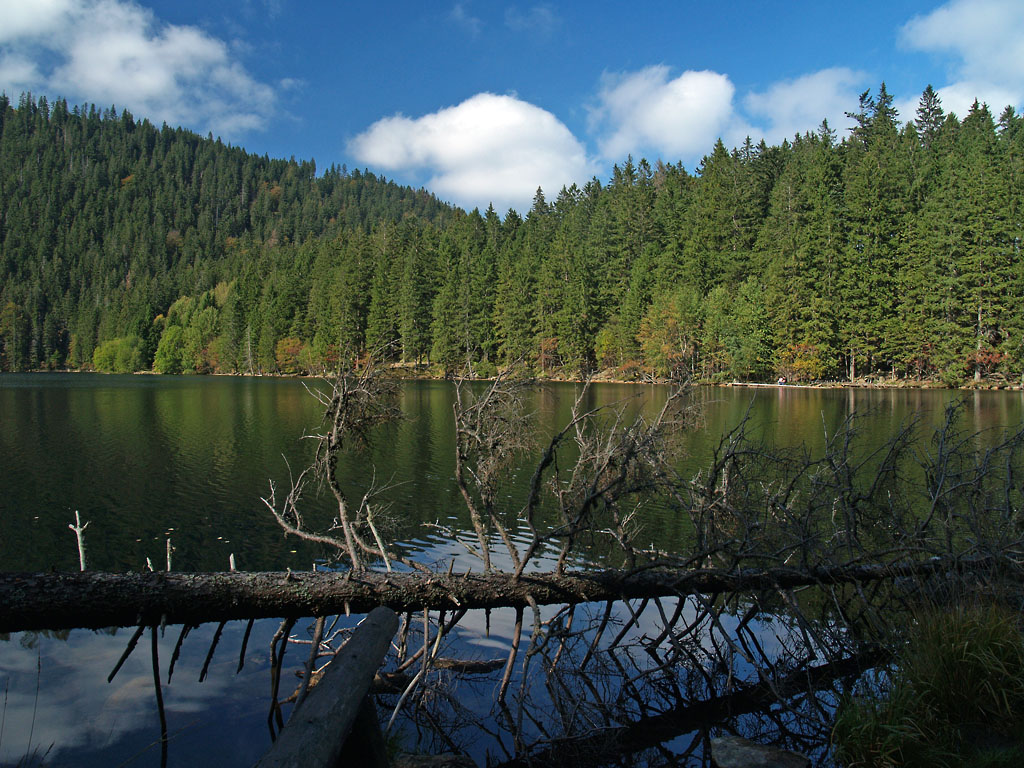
x=93, y=600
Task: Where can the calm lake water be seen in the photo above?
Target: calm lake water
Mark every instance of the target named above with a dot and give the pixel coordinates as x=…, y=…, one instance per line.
x=147, y=458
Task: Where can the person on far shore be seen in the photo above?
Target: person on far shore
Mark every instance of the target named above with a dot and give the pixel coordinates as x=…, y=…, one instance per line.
x=781, y=381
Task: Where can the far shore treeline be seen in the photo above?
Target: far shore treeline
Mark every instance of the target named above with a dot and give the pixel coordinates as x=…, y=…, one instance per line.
x=892, y=251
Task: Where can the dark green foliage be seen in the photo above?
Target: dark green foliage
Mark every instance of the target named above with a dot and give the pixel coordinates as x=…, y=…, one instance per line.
x=105, y=221
x=894, y=251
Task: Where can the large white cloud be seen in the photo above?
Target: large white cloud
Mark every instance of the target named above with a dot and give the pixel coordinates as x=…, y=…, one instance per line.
x=116, y=52
x=645, y=111
x=795, y=106
x=489, y=148
x=986, y=39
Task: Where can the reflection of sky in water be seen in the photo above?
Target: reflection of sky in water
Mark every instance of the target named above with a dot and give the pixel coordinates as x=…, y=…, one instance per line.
x=210, y=446
x=80, y=719
x=84, y=721
x=478, y=692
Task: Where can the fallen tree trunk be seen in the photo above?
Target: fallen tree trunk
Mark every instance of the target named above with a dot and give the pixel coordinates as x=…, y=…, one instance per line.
x=317, y=730
x=92, y=600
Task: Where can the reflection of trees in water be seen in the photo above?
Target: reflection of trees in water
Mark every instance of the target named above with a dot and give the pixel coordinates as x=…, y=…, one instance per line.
x=799, y=572
x=601, y=684
x=588, y=684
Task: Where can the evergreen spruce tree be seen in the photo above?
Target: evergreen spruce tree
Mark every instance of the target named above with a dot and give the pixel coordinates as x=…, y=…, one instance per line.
x=876, y=196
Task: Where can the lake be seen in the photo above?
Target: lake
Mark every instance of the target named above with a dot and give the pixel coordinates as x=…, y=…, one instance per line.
x=147, y=459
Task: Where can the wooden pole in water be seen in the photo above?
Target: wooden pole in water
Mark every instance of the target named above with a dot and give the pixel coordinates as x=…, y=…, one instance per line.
x=79, y=530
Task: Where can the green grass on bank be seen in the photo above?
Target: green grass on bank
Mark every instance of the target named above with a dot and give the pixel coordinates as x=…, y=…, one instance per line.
x=955, y=698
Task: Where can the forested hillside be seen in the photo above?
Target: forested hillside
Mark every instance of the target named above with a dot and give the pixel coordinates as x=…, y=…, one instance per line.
x=894, y=250
x=105, y=221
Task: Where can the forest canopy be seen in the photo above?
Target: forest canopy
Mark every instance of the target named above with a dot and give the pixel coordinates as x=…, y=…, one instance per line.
x=892, y=251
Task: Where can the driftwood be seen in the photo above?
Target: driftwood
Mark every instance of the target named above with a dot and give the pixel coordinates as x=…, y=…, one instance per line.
x=319, y=728
x=92, y=600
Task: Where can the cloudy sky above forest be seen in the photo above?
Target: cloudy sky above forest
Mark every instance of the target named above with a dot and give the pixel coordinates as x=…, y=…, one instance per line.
x=483, y=101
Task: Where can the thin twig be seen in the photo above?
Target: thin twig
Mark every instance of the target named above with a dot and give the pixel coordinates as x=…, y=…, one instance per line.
x=213, y=647
x=127, y=651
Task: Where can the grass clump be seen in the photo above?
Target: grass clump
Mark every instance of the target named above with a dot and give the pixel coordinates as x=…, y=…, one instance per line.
x=955, y=698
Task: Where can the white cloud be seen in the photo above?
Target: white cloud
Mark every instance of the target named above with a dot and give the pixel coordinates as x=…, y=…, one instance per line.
x=986, y=39
x=19, y=73
x=489, y=148
x=116, y=52
x=27, y=20
x=960, y=96
x=465, y=19
x=795, y=106
x=538, y=20
x=645, y=111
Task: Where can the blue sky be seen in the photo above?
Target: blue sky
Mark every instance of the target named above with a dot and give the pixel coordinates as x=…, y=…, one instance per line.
x=484, y=101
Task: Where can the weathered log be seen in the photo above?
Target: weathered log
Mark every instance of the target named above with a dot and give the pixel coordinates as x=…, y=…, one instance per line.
x=93, y=600
x=319, y=728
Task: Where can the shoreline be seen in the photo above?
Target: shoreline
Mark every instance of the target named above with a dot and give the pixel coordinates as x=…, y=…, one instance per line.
x=401, y=371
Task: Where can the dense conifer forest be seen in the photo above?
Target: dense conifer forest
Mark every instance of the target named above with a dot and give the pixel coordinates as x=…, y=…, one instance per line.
x=893, y=251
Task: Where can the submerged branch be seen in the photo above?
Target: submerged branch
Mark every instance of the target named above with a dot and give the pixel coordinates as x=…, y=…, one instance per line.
x=609, y=746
